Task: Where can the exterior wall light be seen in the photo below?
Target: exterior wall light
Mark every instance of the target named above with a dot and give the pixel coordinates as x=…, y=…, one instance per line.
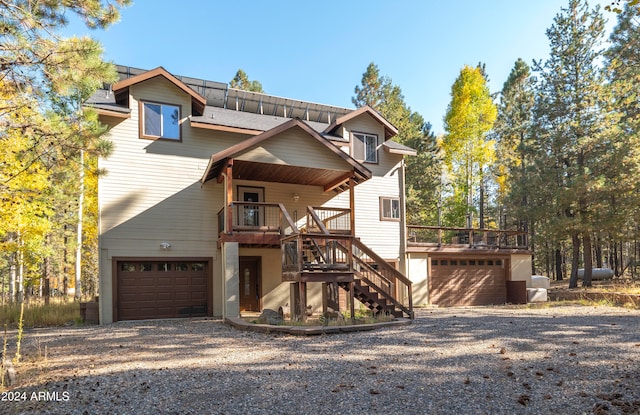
x=165, y=245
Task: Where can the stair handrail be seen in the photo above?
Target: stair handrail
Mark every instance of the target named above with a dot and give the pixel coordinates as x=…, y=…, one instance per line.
x=314, y=216
x=396, y=274
x=289, y=221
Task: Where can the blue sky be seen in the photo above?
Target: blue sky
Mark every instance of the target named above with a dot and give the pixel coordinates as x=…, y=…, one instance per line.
x=317, y=51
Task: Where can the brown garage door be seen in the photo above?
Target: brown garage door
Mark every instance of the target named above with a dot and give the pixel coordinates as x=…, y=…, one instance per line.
x=162, y=289
x=477, y=281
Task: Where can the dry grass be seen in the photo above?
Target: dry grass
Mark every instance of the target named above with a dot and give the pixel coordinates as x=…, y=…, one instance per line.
x=36, y=314
x=623, y=286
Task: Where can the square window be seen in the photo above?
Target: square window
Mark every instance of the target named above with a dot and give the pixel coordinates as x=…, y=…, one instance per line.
x=365, y=147
x=160, y=121
x=390, y=208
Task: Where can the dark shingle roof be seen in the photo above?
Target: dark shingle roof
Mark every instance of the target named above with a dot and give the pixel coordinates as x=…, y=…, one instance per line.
x=105, y=99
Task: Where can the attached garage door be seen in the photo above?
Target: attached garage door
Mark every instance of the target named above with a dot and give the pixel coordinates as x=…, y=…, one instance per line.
x=162, y=289
x=457, y=282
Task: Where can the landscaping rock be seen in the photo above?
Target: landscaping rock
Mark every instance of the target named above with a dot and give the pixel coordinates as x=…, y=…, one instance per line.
x=269, y=316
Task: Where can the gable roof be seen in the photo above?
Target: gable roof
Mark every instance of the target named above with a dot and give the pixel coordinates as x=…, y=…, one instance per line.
x=389, y=129
x=332, y=180
x=198, y=101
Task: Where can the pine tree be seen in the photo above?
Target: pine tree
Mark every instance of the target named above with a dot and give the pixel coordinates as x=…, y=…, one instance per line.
x=241, y=81
x=423, y=170
x=45, y=79
x=623, y=72
x=570, y=120
x=512, y=134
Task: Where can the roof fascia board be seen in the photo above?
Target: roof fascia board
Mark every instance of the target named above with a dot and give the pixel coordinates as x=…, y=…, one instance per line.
x=160, y=71
x=390, y=129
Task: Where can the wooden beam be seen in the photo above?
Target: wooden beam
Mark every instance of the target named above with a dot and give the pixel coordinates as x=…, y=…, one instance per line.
x=352, y=296
x=229, y=196
x=352, y=204
x=339, y=182
x=303, y=300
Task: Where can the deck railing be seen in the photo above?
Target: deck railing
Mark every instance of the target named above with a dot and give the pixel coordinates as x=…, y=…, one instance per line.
x=256, y=217
x=316, y=252
x=479, y=238
x=331, y=220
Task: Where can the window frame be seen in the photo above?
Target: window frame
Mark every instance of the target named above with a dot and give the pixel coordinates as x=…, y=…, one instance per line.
x=391, y=199
x=142, y=119
x=360, y=151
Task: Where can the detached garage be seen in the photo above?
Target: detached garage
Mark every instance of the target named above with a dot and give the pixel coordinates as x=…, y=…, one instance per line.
x=467, y=281
x=169, y=288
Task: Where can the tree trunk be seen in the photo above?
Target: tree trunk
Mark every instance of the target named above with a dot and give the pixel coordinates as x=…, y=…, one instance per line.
x=482, y=199
x=558, y=261
x=20, y=288
x=47, y=279
x=598, y=251
x=588, y=260
x=622, y=267
x=531, y=234
x=12, y=277
x=65, y=265
x=79, y=241
x=616, y=265
x=575, y=260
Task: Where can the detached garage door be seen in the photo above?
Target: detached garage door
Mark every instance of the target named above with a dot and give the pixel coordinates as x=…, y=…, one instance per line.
x=162, y=289
x=458, y=282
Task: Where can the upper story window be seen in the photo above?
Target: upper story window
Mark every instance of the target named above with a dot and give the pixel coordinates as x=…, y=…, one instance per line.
x=160, y=121
x=390, y=208
x=365, y=147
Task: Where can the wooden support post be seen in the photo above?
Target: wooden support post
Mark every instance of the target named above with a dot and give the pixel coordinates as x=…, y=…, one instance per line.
x=352, y=306
x=352, y=204
x=294, y=298
x=325, y=298
x=229, y=197
x=303, y=300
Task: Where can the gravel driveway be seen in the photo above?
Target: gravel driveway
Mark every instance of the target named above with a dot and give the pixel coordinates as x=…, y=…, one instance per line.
x=560, y=360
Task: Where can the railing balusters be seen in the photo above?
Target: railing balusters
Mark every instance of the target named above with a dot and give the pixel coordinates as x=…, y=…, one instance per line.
x=443, y=235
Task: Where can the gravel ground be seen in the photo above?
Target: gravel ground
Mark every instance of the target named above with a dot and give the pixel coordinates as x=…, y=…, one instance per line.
x=561, y=360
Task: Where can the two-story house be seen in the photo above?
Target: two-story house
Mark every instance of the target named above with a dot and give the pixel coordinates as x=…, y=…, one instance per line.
x=217, y=200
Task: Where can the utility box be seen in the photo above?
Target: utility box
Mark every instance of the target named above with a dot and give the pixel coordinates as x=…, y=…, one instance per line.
x=517, y=292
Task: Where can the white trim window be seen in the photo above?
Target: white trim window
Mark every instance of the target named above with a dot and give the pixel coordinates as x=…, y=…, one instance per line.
x=160, y=121
x=390, y=208
x=365, y=147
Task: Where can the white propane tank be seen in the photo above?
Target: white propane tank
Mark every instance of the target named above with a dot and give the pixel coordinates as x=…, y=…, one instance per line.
x=597, y=273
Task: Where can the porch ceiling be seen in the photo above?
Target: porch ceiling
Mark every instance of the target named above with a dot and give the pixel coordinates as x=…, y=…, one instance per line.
x=337, y=180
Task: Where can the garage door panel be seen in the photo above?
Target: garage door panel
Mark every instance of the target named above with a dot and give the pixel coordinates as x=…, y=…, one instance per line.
x=198, y=296
x=162, y=289
x=467, y=282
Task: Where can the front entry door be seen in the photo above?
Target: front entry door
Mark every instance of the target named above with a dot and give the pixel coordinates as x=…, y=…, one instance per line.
x=250, y=280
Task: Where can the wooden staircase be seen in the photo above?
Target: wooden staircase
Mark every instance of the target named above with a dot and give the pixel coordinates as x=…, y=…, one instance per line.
x=372, y=299
x=342, y=259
